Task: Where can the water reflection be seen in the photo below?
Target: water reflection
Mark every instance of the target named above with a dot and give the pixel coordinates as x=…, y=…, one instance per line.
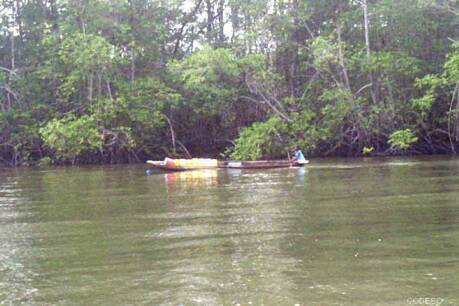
x=189, y=179
x=231, y=241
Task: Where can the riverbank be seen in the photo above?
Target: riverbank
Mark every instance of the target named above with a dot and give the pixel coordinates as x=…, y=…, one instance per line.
x=420, y=157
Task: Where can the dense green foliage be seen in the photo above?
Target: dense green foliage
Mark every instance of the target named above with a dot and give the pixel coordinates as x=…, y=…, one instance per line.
x=402, y=139
x=92, y=81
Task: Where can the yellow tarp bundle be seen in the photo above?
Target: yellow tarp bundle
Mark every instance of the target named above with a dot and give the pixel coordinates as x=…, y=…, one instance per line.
x=192, y=163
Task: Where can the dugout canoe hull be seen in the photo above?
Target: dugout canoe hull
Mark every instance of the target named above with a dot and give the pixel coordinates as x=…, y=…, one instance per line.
x=257, y=164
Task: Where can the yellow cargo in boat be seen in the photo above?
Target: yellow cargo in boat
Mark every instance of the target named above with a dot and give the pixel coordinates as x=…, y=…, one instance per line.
x=195, y=163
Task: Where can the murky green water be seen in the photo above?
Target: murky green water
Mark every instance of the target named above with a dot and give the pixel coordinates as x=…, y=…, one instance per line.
x=353, y=232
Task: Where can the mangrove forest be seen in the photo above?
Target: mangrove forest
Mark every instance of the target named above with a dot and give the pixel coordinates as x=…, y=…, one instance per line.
x=118, y=81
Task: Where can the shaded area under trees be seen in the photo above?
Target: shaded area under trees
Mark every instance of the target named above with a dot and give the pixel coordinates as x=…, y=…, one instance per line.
x=91, y=81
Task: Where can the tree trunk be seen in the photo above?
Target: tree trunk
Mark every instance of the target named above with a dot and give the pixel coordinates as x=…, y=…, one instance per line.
x=368, y=49
x=99, y=85
x=19, y=20
x=13, y=51
x=81, y=18
x=209, y=21
x=221, y=23
x=341, y=59
x=109, y=90
x=234, y=21
x=291, y=58
x=174, y=148
x=132, y=65
x=90, y=87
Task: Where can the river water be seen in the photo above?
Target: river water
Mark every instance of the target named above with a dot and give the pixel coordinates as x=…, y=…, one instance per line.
x=338, y=232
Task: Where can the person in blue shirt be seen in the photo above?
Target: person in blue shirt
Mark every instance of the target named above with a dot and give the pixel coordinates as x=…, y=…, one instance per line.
x=299, y=157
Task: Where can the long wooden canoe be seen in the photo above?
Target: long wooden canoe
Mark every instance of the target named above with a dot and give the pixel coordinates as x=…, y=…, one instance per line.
x=184, y=165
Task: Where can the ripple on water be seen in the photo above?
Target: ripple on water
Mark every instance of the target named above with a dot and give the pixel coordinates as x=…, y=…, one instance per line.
x=16, y=278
